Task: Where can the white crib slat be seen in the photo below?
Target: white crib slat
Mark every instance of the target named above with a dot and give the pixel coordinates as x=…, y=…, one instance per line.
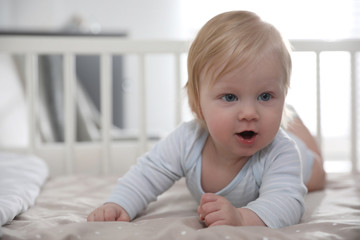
x=106, y=109
x=142, y=106
x=31, y=64
x=318, y=101
x=69, y=92
x=353, y=103
x=178, y=97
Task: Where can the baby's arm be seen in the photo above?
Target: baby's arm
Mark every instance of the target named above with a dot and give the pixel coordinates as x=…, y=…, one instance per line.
x=109, y=212
x=217, y=210
x=155, y=172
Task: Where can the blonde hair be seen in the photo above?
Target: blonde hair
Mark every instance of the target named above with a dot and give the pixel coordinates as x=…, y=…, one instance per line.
x=228, y=41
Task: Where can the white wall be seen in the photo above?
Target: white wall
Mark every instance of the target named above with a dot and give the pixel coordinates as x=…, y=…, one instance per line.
x=140, y=18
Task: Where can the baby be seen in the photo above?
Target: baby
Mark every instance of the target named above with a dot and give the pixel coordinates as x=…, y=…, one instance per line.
x=239, y=163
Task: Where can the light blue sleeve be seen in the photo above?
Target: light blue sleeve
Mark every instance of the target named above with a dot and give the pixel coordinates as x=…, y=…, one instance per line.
x=153, y=174
x=281, y=194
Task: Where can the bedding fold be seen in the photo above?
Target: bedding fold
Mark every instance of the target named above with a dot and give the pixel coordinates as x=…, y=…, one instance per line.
x=21, y=178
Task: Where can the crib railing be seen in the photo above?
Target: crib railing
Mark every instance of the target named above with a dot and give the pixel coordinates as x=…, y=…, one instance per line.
x=105, y=47
x=352, y=47
x=109, y=156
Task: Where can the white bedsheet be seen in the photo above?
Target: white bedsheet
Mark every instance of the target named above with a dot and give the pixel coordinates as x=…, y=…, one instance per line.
x=64, y=203
x=21, y=177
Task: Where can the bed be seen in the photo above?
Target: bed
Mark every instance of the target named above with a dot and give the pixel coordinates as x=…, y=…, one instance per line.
x=73, y=177
x=64, y=202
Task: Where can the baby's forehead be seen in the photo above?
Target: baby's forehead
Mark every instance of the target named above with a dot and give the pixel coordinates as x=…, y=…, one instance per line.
x=216, y=69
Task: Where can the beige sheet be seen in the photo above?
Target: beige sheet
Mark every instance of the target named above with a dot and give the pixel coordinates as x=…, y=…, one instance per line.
x=64, y=203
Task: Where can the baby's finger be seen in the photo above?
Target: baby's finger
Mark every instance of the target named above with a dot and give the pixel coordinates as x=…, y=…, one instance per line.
x=208, y=197
x=124, y=217
x=217, y=223
x=209, y=207
x=91, y=217
x=200, y=214
x=109, y=214
x=99, y=215
x=212, y=218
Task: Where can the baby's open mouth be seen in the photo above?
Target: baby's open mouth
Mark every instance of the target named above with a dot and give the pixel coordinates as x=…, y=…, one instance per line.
x=247, y=134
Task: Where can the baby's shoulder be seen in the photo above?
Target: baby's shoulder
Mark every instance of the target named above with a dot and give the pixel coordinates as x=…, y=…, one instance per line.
x=281, y=146
x=282, y=140
x=192, y=137
x=190, y=130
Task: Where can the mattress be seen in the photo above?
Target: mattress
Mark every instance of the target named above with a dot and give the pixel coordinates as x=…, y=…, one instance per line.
x=61, y=209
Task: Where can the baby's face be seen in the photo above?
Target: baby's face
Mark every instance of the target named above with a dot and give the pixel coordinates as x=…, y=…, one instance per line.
x=243, y=108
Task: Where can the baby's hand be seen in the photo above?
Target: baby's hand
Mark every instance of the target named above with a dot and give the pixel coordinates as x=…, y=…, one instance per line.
x=109, y=212
x=217, y=210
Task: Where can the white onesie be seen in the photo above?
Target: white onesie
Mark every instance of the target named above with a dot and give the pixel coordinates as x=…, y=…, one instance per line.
x=270, y=183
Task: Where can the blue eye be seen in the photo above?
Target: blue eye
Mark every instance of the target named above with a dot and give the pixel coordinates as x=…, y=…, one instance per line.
x=264, y=97
x=229, y=98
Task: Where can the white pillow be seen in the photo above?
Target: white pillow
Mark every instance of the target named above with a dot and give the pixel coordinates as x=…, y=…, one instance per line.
x=21, y=177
